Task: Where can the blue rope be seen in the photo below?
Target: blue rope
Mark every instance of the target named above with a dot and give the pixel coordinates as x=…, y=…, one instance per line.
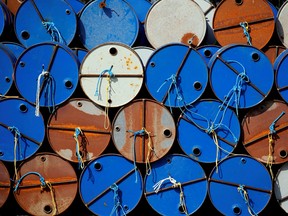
x=15, y=130
x=53, y=31
x=244, y=195
x=272, y=126
x=42, y=180
x=135, y=134
x=117, y=203
x=110, y=74
x=245, y=28
x=80, y=162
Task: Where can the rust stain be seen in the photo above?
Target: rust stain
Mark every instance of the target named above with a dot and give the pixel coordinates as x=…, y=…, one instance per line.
x=190, y=39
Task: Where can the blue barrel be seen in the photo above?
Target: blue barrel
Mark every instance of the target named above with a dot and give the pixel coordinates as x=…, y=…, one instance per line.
x=22, y=133
x=241, y=75
x=104, y=21
x=108, y=185
x=207, y=51
x=280, y=67
x=16, y=48
x=176, y=75
x=6, y=20
x=39, y=21
x=77, y=5
x=80, y=53
x=46, y=74
x=7, y=62
x=177, y=185
x=208, y=131
x=240, y=185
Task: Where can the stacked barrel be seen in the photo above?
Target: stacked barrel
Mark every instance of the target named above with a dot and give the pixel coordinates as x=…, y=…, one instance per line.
x=137, y=107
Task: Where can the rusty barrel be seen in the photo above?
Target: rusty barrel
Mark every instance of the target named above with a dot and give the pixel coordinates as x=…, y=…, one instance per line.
x=265, y=132
x=177, y=185
x=143, y=131
x=5, y=184
x=111, y=74
x=280, y=187
x=47, y=185
x=273, y=51
x=208, y=131
x=244, y=22
x=175, y=22
x=78, y=130
x=243, y=183
x=280, y=67
x=110, y=185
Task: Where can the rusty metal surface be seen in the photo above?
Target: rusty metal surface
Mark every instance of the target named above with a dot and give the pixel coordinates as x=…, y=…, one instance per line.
x=4, y=184
x=272, y=52
x=230, y=13
x=255, y=127
x=55, y=170
x=13, y=5
x=155, y=119
x=90, y=118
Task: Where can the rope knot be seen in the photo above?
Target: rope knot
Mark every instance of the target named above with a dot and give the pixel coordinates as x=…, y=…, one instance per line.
x=246, y=30
x=53, y=31
x=78, y=132
x=244, y=194
x=117, y=202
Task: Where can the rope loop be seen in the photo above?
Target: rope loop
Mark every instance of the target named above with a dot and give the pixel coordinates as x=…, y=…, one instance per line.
x=246, y=29
x=53, y=31
x=17, y=134
x=117, y=202
x=244, y=194
x=78, y=132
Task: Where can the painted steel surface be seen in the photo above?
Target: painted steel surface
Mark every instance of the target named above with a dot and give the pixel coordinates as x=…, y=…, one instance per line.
x=59, y=176
x=258, y=134
x=244, y=184
x=144, y=53
x=207, y=51
x=20, y=123
x=273, y=51
x=111, y=74
x=241, y=75
x=176, y=75
x=170, y=22
x=40, y=69
x=282, y=23
x=80, y=53
x=280, y=187
x=244, y=22
x=6, y=19
x=107, y=21
x=7, y=63
x=208, y=131
x=186, y=175
x=39, y=21
x=156, y=139
x=101, y=176
x=16, y=48
x=89, y=119
x=5, y=184
x=280, y=67
x=77, y=5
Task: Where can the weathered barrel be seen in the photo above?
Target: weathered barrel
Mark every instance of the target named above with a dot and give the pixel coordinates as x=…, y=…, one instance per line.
x=5, y=184
x=280, y=187
x=282, y=23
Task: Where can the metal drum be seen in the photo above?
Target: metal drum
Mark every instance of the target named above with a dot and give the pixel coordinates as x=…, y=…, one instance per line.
x=280, y=67
x=280, y=187
x=207, y=51
x=177, y=185
x=77, y=130
x=111, y=74
x=22, y=133
x=7, y=63
x=103, y=21
x=13, y=5
x=6, y=20
x=38, y=21
x=241, y=75
x=241, y=22
x=240, y=185
x=144, y=53
x=282, y=23
x=208, y=131
x=47, y=185
x=265, y=132
x=176, y=75
x=16, y=48
x=273, y=51
x=4, y=184
x=41, y=77
x=170, y=22
x=143, y=131
x=80, y=53
x=77, y=5
x=107, y=186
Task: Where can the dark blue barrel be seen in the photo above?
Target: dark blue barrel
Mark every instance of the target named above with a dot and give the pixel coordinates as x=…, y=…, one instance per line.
x=80, y=53
x=177, y=185
x=7, y=62
x=46, y=74
x=109, y=185
x=280, y=67
x=6, y=20
x=240, y=185
x=22, y=133
x=176, y=75
x=104, y=21
x=16, y=48
x=208, y=131
x=207, y=51
x=77, y=5
x=241, y=75
x=39, y=21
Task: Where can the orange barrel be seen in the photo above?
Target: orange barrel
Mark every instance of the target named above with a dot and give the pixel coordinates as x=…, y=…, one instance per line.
x=47, y=185
x=77, y=130
x=13, y=5
x=173, y=21
x=265, y=132
x=282, y=24
x=143, y=131
x=272, y=52
x=244, y=22
x=4, y=184
x=111, y=74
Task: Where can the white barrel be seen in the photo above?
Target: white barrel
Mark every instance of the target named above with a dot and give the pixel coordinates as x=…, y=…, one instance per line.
x=281, y=187
x=144, y=53
x=282, y=24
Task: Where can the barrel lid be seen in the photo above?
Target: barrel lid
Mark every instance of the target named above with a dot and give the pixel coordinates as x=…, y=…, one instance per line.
x=207, y=51
x=16, y=48
x=280, y=187
x=280, y=67
x=5, y=184
x=282, y=23
x=144, y=53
